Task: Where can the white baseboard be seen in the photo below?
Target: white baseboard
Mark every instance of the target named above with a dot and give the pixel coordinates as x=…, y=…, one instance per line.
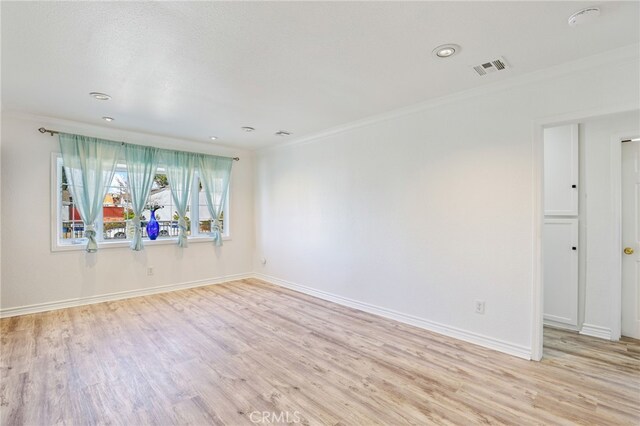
x=561, y=320
x=559, y=324
x=50, y=306
x=596, y=331
x=467, y=336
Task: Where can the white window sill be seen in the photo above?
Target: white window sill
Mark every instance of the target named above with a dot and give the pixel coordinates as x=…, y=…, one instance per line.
x=81, y=243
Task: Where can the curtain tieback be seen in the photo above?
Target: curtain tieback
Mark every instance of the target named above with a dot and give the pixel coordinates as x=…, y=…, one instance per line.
x=90, y=233
x=216, y=231
x=182, y=235
x=136, y=244
x=182, y=224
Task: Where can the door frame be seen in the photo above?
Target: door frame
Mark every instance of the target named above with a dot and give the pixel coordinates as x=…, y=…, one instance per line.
x=616, y=204
x=537, y=295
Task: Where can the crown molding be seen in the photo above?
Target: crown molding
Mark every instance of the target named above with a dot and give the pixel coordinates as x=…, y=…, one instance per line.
x=114, y=133
x=619, y=55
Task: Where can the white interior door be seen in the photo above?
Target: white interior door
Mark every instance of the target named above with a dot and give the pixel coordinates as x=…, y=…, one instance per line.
x=631, y=239
x=560, y=245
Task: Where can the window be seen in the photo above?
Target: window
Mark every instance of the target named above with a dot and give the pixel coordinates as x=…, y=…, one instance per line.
x=116, y=207
x=204, y=217
x=114, y=227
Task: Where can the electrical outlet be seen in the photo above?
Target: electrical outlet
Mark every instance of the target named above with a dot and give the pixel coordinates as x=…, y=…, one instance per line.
x=479, y=306
x=150, y=270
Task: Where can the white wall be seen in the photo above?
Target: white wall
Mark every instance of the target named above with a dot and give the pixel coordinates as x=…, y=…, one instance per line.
x=424, y=212
x=595, y=139
x=421, y=212
x=32, y=274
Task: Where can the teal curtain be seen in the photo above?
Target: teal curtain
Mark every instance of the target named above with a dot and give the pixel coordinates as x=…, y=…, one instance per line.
x=142, y=163
x=89, y=164
x=180, y=167
x=214, y=175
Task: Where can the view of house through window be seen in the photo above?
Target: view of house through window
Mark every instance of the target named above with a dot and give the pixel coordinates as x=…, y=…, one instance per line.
x=115, y=222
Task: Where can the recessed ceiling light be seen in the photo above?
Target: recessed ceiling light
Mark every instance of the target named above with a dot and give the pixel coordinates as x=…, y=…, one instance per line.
x=109, y=119
x=100, y=96
x=584, y=16
x=248, y=129
x=446, y=50
x=283, y=133
x=213, y=138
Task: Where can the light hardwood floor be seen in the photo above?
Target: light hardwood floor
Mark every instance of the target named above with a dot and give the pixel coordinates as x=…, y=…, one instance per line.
x=226, y=354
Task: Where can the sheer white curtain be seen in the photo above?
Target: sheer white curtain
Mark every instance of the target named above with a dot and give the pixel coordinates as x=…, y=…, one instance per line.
x=89, y=164
x=142, y=163
x=180, y=168
x=214, y=175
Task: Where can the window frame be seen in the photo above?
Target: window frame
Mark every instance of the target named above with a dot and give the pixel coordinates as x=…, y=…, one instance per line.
x=57, y=244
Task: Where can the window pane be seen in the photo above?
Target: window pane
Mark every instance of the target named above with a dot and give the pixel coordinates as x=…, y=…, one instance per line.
x=116, y=207
x=117, y=213
x=166, y=214
x=71, y=225
x=204, y=218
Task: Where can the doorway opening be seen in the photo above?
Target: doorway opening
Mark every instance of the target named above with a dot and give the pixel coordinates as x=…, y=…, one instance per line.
x=578, y=225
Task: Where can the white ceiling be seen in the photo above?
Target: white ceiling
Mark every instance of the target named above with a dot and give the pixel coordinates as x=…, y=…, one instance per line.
x=195, y=69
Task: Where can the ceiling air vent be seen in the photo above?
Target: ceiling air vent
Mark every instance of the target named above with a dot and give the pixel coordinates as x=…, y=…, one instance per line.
x=491, y=66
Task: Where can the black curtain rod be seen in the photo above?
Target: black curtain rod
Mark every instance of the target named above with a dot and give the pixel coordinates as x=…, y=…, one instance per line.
x=55, y=132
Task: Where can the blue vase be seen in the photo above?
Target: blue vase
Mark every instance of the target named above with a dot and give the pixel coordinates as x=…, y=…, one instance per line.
x=153, y=228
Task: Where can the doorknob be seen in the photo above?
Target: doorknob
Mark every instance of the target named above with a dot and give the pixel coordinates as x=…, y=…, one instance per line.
x=628, y=250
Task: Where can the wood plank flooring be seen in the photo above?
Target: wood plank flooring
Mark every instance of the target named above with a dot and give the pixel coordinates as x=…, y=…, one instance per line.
x=248, y=352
